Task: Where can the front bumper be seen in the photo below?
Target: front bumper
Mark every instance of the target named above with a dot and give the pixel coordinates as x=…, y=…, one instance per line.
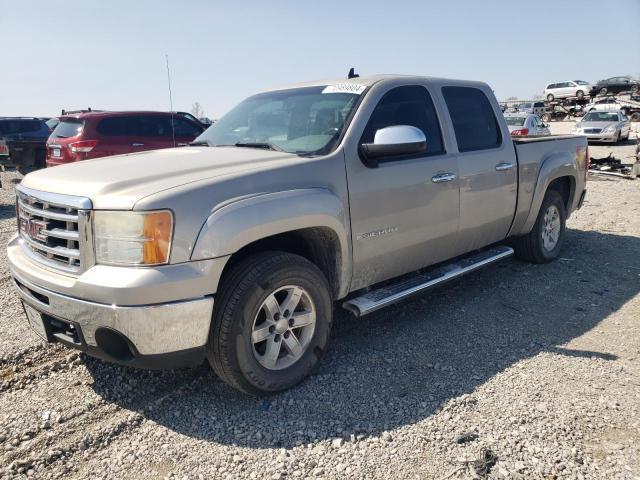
x=146, y=310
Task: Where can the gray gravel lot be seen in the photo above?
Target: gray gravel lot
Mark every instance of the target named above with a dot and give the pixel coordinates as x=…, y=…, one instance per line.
x=533, y=368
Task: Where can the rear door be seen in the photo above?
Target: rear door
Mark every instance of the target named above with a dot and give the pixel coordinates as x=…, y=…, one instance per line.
x=487, y=166
x=403, y=217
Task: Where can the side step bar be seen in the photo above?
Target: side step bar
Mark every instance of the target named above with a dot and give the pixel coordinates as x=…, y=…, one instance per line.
x=376, y=299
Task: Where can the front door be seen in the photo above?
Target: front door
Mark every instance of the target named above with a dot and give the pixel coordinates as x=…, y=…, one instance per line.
x=487, y=168
x=404, y=213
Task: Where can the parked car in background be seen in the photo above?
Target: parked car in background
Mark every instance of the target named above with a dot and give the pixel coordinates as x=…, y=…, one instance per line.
x=24, y=143
x=604, y=126
x=616, y=85
x=572, y=88
x=100, y=134
x=238, y=248
x=536, y=107
x=609, y=104
x=526, y=125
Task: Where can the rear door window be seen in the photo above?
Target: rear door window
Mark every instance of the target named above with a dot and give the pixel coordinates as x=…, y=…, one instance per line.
x=68, y=128
x=407, y=105
x=475, y=125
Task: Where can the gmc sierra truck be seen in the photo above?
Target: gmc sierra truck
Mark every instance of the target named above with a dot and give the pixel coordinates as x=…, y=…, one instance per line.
x=236, y=248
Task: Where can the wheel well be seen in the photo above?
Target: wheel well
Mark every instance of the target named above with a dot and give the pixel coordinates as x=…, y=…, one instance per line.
x=319, y=245
x=564, y=186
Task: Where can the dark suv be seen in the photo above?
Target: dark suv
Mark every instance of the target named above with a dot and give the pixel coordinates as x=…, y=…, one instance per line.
x=101, y=134
x=23, y=143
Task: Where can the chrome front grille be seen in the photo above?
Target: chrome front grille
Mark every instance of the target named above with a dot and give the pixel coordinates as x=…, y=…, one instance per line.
x=55, y=229
x=592, y=130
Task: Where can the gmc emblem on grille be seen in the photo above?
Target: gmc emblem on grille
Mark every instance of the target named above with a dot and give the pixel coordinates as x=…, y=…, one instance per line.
x=33, y=228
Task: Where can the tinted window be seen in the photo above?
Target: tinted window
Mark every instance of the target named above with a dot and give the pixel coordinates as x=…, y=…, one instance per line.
x=136, y=126
x=9, y=127
x=515, y=121
x=68, y=128
x=474, y=122
x=183, y=128
x=411, y=105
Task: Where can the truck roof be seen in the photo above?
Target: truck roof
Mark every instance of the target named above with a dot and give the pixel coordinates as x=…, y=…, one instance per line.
x=373, y=79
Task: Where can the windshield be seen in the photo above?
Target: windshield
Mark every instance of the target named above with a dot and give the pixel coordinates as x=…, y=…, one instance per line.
x=581, y=82
x=17, y=126
x=304, y=121
x=515, y=121
x=600, y=117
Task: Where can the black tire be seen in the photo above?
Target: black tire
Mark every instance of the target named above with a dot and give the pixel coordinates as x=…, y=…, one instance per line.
x=546, y=117
x=240, y=297
x=580, y=94
x=619, y=136
x=550, y=97
x=603, y=91
x=530, y=247
x=635, y=117
x=634, y=89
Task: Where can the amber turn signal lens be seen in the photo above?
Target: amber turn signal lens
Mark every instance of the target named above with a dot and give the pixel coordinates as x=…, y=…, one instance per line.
x=158, y=228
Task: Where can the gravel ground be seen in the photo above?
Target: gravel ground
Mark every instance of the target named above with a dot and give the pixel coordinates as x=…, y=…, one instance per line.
x=517, y=371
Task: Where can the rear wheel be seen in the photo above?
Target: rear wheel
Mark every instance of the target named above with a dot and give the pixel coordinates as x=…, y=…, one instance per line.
x=544, y=242
x=271, y=322
x=580, y=94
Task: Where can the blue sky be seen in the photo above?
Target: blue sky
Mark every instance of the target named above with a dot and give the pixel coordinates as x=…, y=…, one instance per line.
x=110, y=54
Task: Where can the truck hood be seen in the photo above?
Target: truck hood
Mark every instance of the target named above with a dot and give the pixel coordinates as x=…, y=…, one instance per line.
x=119, y=182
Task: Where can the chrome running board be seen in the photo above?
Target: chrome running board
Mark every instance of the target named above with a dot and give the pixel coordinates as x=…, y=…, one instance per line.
x=376, y=299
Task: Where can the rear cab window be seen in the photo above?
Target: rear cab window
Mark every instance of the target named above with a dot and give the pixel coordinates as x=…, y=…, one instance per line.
x=407, y=105
x=68, y=128
x=474, y=122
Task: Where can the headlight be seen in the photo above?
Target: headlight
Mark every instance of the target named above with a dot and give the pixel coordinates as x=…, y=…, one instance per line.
x=132, y=238
x=610, y=129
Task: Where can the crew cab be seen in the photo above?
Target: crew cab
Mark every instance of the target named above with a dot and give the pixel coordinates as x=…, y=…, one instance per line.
x=358, y=192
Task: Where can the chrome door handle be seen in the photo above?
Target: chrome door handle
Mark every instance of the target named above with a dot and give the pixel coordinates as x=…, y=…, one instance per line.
x=137, y=144
x=504, y=166
x=443, y=177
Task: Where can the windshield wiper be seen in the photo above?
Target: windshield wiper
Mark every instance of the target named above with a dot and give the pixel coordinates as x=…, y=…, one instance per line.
x=264, y=145
x=201, y=143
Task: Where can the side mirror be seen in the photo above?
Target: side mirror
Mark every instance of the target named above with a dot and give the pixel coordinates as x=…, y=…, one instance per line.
x=395, y=141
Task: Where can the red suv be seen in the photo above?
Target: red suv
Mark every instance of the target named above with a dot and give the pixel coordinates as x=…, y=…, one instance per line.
x=100, y=134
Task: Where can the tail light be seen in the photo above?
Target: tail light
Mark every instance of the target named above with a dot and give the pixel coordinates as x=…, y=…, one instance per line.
x=520, y=133
x=83, y=146
x=4, y=150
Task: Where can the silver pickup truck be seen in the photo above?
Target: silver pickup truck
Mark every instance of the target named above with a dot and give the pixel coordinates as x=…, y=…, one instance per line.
x=364, y=191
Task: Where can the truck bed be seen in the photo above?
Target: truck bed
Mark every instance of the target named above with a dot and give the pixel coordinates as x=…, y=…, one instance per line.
x=531, y=154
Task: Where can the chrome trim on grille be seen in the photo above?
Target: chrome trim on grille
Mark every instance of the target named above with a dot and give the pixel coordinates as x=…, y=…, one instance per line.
x=55, y=230
x=79, y=203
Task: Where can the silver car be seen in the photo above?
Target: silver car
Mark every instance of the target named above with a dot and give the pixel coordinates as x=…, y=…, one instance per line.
x=526, y=125
x=604, y=127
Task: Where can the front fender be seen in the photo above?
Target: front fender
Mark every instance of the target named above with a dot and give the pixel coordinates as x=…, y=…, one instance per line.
x=236, y=225
x=562, y=164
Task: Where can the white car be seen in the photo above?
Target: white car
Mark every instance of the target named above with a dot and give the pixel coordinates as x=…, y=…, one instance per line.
x=571, y=88
x=608, y=104
x=604, y=127
x=526, y=125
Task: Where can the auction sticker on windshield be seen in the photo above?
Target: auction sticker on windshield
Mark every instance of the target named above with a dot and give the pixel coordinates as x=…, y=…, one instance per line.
x=345, y=88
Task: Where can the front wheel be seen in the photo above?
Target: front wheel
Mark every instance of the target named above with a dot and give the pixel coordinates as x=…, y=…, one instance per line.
x=271, y=323
x=544, y=242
